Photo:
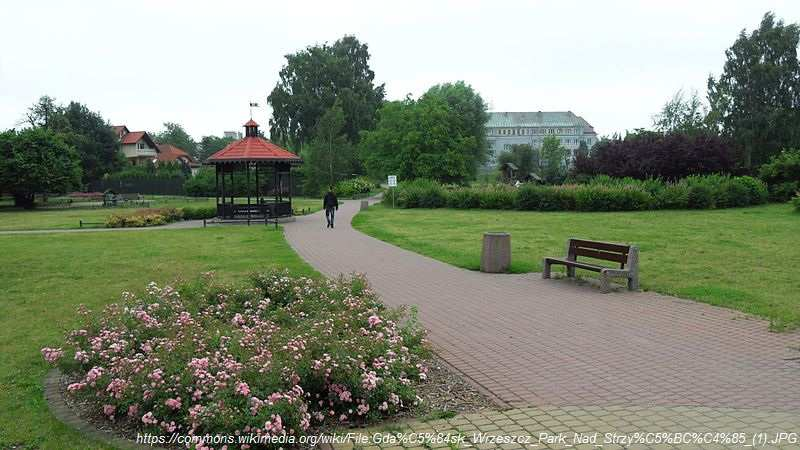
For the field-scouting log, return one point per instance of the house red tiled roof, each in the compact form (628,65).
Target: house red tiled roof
(133,137)
(168,152)
(251,123)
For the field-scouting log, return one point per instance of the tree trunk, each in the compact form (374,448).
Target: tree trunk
(24,201)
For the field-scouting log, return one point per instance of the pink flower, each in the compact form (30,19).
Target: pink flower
(369,380)
(374,320)
(345,396)
(81,356)
(363,409)
(173,403)
(75,387)
(149,419)
(242,388)
(109,410)
(133,410)
(51,355)
(93,375)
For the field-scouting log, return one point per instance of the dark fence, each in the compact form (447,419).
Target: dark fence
(165,186)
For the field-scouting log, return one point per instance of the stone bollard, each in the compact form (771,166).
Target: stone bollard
(496,254)
(364,204)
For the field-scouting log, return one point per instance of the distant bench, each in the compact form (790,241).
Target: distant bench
(626,255)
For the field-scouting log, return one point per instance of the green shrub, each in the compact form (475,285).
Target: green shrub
(781,191)
(796,202)
(782,174)
(144,218)
(199,212)
(354,187)
(419,193)
(496,197)
(529,197)
(700,197)
(612,198)
(463,198)
(673,196)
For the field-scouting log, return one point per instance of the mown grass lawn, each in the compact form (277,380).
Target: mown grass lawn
(45,277)
(743,258)
(66,218)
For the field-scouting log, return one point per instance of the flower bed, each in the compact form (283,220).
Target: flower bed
(599,194)
(145,218)
(271,359)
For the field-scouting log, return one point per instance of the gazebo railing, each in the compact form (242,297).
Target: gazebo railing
(254,211)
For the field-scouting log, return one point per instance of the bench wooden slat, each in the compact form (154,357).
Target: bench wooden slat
(578,264)
(608,256)
(606,246)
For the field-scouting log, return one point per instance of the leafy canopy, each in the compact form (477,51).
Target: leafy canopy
(756,99)
(174,134)
(84,130)
(36,160)
(441,136)
(312,80)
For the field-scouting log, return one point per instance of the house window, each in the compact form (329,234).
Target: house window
(140,146)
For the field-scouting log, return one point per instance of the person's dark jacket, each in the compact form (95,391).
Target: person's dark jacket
(330,201)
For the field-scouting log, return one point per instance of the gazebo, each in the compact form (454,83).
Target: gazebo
(253,178)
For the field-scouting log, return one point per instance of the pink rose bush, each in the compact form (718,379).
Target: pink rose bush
(276,357)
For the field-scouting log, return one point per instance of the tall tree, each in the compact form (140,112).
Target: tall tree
(310,83)
(36,160)
(210,145)
(329,156)
(440,136)
(94,141)
(682,114)
(83,129)
(468,115)
(756,100)
(173,133)
(554,160)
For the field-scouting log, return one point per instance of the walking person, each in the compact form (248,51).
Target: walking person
(331,204)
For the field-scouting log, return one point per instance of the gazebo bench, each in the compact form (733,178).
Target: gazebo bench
(626,255)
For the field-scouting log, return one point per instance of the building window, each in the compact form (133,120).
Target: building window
(140,145)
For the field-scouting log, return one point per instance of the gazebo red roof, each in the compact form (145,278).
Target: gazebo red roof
(252,149)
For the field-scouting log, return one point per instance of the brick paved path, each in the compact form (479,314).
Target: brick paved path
(538,342)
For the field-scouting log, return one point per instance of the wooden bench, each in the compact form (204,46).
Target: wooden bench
(626,255)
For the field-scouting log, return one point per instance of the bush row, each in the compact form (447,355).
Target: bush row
(144,218)
(782,174)
(354,187)
(600,194)
(199,212)
(796,202)
(276,358)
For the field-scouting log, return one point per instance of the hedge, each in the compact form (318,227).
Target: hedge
(598,194)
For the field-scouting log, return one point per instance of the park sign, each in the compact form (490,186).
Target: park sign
(392,180)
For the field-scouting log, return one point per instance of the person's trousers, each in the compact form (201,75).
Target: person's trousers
(329,213)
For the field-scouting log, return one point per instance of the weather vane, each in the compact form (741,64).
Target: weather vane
(253,105)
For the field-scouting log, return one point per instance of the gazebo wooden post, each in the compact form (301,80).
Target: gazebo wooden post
(216,176)
(258,190)
(247,168)
(222,167)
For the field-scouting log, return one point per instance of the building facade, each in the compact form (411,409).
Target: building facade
(505,129)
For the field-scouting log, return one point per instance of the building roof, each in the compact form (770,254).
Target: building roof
(536,119)
(250,123)
(120,130)
(168,152)
(136,136)
(253,148)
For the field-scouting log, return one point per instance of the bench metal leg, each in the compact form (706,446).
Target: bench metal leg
(546,270)
(570,271)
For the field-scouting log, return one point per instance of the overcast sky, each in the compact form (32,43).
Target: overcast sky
(141,63)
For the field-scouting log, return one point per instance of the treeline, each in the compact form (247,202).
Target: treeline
(751,116)
(328,108)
